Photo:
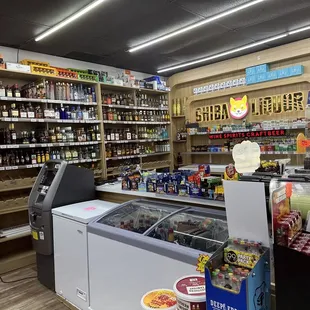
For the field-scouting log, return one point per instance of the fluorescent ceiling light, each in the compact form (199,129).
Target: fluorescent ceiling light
(196,25)
(194,62)
(69,20)
(223,54)
(299,30)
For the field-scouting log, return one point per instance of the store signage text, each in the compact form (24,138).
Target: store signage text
(250,134)
(269,105)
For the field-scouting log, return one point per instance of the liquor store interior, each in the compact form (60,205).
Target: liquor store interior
(166,166)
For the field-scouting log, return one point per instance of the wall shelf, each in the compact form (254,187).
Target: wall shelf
(115,106)
(135,141)
(136,123)
(64,102)
(114,87)
(45,145)
(137,156)
(47,120)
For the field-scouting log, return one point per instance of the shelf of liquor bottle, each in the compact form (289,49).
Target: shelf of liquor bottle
(250,130)
(45,145)
(137,156)
(47,120)
(19,167)
(116,106)
(136,122)
(135,141)
(64,102)
(108,86)
(13,209)
(229,153)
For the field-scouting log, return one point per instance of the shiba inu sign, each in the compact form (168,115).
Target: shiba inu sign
(239,108)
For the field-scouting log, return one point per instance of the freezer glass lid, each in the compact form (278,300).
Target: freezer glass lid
(138,216)
(194,229)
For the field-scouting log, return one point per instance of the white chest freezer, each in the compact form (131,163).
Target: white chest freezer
(144,245)
(71,247)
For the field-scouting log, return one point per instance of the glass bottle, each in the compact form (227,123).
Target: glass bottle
(57,113)
(38,112)
(14,111)
(62,154)
(16,91)
(4,111)
(30,111)
(13,134)
(2,90)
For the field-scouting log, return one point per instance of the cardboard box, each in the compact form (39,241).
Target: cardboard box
(283,73)
(18,67)
(271,75)
(251,79)
(296,70)
(262,68)
(261,77)
(250,71)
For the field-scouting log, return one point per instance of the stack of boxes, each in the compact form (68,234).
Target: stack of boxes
(262,73)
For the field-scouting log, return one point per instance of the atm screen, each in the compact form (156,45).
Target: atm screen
(48,177)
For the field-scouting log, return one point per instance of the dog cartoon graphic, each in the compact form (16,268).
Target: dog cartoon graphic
(239,107)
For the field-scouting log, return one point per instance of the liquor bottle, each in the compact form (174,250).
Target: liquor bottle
(30,111)
(33,157)
(67,112)
(43,159)
(85,114)
(17,159)
(38,112)
(27,158)
(14,111)
(4,111)
(62,154)
(23,112)
(22,158)
(38,157)
(57,113)
(62,112)
(13,134)
(8,91)
(46,112)
(79,113)
(16,91)
(73,113)
(2,90)
(47,155)
(68,155)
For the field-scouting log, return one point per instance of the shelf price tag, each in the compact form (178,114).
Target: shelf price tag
(14,146)
(35,165)
(61,144)
(33,120)
(28,166)
(1,168)
(3,98)
(2,146)
(41,120)
(7,119)
(269,152)
(50,144)
(18,99)
(44,145)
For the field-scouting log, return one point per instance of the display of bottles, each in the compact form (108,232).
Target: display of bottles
(181,134)
(57,90)
(40,156)
(144,100)
(118,99)
(49,112)
(143,133)
(110,114)
(53,135)
(129,149)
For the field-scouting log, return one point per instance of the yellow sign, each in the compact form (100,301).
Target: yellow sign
(35,235)
(201,262)
(269,105)
(159,299)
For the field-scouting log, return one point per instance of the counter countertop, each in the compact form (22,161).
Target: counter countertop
(116,188)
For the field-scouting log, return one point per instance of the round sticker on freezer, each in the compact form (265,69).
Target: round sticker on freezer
(159,299)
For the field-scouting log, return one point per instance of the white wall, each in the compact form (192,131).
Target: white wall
(11,55)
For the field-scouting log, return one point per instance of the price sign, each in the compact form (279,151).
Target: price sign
(33,120)
(44,145)
(35,165)
(28,166)
(41,120)
(61,144)
(15,119)
(18,99)
(3,98)
(7,119)
(1,168)
(2,146)
(15,146)
(32,145)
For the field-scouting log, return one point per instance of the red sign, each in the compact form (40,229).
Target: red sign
(250,134)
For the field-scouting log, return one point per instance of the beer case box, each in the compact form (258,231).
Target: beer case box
(271,75)
(18,67)
(283,73)
(261,77)
(250,71)
(254,291)
(296,70)
(251,79)
(262,68)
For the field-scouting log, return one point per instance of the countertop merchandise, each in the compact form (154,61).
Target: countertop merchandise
(116,188)
(146,244)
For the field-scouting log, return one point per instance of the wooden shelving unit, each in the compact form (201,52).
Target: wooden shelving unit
(20,178)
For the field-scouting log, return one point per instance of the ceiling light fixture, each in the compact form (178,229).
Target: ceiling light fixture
(69,20)
(196,25)
(194,62)
(223,54)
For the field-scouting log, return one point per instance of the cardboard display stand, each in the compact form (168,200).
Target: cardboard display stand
(247,219)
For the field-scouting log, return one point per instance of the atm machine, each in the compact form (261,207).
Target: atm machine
(57,184)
